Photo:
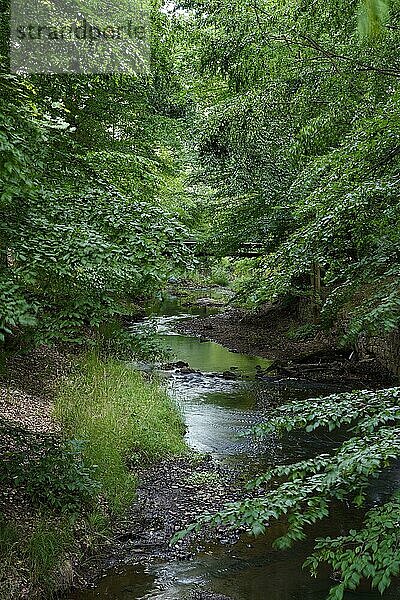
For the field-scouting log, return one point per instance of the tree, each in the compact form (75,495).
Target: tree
(87,221)
(298,140)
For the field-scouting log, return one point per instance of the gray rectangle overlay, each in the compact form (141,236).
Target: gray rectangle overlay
(72,36)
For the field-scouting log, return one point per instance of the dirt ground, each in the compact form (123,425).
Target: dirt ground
(170,496)
(271,333)
(27,385)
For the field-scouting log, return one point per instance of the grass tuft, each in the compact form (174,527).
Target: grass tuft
(45,549)
(40,552)
(123,419)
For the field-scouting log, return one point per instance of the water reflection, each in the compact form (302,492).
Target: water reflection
(216,410)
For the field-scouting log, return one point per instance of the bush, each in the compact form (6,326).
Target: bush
(304,332)
(50,471)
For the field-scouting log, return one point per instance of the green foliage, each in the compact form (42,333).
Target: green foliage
(297,129)
(370,553)
(50,472)
(40,550)
(221,273)
(8,536)
(138,341)
(45,549)
(123,419)
(303,332)
(145,342)
(60,479)
(16,310)
(90,180)
(303,492)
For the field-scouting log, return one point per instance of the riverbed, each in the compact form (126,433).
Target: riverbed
(220,395)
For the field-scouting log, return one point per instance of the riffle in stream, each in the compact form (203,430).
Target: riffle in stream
(216,410)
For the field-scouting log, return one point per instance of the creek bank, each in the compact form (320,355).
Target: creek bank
(27,389)
(170,495)
(173,493)
(32,515)
(270,332)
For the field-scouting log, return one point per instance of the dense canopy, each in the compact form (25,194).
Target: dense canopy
(272,125)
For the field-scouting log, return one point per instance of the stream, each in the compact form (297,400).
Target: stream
(216,409)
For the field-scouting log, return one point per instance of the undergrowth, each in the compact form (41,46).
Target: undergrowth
(123,420)
(65,487)
(35,560)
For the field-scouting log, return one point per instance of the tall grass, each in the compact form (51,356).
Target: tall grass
(45,550)
(123,419)
(40,552)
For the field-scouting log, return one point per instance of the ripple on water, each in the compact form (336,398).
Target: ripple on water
(216,411)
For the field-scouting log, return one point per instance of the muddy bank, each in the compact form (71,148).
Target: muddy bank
(278,334)
(170,496)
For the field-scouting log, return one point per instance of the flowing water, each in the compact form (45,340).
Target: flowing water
(216,410)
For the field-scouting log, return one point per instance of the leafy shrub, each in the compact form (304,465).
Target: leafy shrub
(83,225)
(303,492)
(16,311)
(49,471)
(145,342)
(221,272)
(304,332)
(139,341)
